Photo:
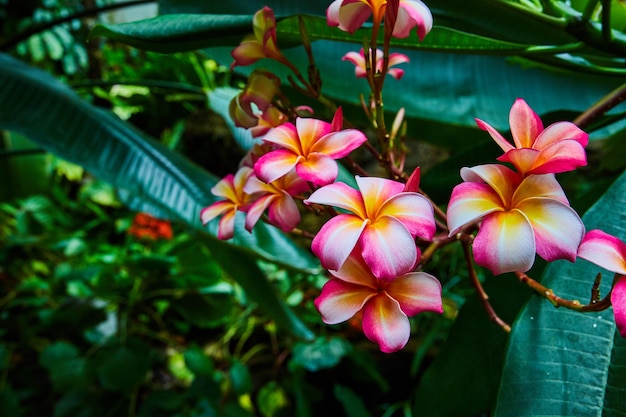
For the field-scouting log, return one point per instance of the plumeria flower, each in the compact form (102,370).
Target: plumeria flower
(260,44)
(385,304)
(349,15)
(311,147)
(255,100)
(277,198)
(358,59)
(609,253)
(231,189)
(382,218)
(520,216)
(558,148)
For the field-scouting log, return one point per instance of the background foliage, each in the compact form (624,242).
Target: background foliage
(96,321)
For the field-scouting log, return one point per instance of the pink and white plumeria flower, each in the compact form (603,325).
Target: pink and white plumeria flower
(349,15)
(231,189)
(609,252)
(277,198)
(382,217)
(358,59)
(260,44)
(311,147)
(255,101)
(386,304)
(558,148)
(520,216)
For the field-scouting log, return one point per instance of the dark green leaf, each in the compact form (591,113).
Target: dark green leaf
(320,354)
(178,33)
(198,362)
(352,404)
(240,378)
(122,366)
(66,367)
(564,363)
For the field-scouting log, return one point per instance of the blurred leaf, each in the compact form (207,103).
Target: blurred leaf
(198,362)
(320,354)
(271,399)
(205,311)
(65,366)
(564,363)
(240,378)
(9,401)
(352,404)
(122,366)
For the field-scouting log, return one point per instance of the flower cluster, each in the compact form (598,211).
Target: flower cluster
(372,243)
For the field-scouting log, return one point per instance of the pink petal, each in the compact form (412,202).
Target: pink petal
(618,299)
(397,58)
(505,243)
(500,140)
(539,186)
(310,131)
(225,188)
(255,185)
(226,226)
(604,250)
(385,324)
(376,191)
(388,248)
(339,195)
(248,52)
(275,164)
(356,271)
(352,15)
(336,239)
(501,179)
(413,13)
(416,292)
(414,211)
(339,144)
(396,73)
(318,168)
(284,213)
(525,124)
(356,58)
(337,123)
(524,159)
(257,209)
(469,202)
(339,301)
(563,156)
(558,229)
(558,132)
(216,209)
(285,136)
(332,13)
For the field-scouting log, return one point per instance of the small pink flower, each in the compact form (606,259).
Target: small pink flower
(519,215)
(558,148)
(231,189)
(276,197)
(311,147)
(609,253)
(386,305)
(255,100)
(358,59)
(382,218)
(349,15)
(262,43)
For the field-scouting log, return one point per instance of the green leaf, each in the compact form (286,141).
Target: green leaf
(122,366)
(352,404)
(240,378)
(152,177)
(198,362)
(320,354)
(178,33)
(564,363)
(65,365)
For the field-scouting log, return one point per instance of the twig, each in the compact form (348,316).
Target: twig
(603,105)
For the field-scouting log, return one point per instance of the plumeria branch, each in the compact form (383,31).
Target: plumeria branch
(594,305)
(603,105)
(482,294)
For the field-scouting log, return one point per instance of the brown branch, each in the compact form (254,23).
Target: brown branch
(484,297)
(602,106)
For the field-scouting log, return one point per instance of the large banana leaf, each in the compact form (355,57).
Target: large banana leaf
(441,87)
(563,363)
(153,177)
